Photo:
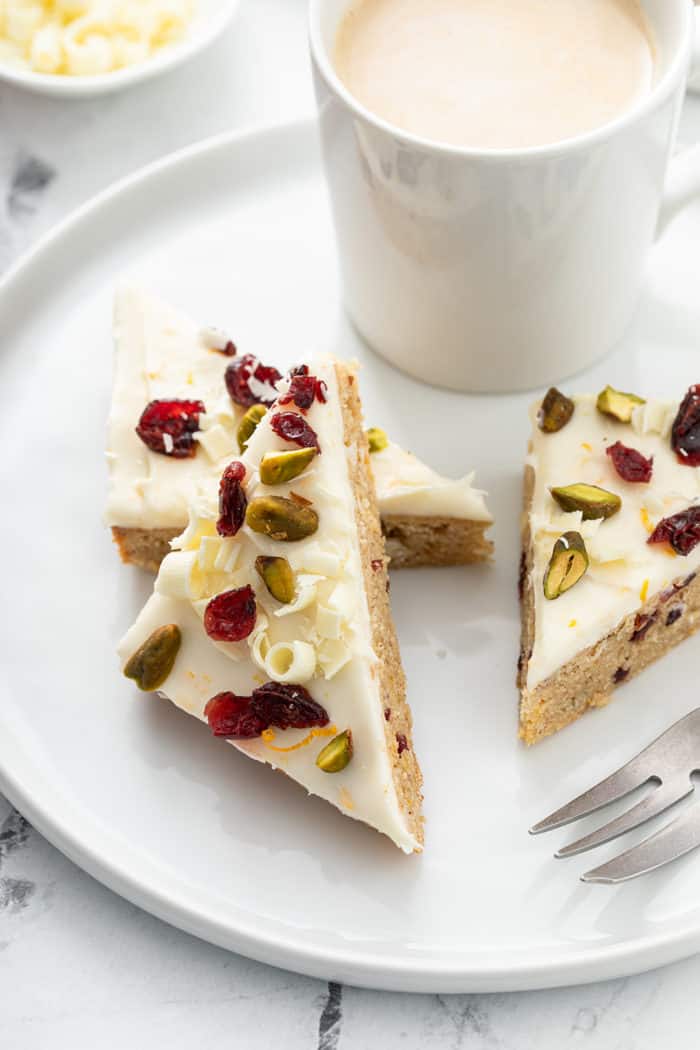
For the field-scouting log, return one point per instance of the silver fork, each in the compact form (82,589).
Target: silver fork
(669,762)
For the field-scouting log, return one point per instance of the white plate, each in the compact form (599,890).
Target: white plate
(210,20)
(237,232)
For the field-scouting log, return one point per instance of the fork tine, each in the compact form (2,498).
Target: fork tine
(659,756)
(658,801)
(677,838)
(617,785)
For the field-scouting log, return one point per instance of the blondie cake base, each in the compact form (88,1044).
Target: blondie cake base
(589,679)
(411,542)
(398,722)
(161,353)
(345,627)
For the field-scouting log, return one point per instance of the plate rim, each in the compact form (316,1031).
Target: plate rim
(390,972)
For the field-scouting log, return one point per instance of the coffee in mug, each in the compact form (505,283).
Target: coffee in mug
(496,74)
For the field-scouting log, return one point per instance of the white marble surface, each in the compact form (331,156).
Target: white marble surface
(79,966)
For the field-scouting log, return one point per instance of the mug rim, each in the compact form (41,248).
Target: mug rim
(677,67)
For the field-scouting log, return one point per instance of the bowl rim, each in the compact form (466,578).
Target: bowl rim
(208,23)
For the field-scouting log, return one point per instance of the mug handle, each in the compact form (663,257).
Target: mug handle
(682,186)
(694,78)
(683,180)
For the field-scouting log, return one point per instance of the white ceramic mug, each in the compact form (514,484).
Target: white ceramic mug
(494,270)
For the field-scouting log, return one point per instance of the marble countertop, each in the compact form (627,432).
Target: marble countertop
(81,967)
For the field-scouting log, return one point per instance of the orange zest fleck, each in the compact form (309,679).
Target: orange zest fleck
(268,735)
(345,799)
(588,448)
(646,520)
(572,623)
(644,591)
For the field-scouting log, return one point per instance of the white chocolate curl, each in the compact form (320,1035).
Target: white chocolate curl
(174,578)
(89,37)
(217,442)
(290,662)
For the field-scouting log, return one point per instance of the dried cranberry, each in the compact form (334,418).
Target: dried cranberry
(620,675)
(232,500)
(294,428)
(287,706)
(272,704)
(642,623)
(377,564)
(401,743)
(230,616)
(303,390)
(249,382)
(387,714)
(168,427)
(681,530)
(674,614)
(298,370)
(630,464)
(232,716)
(685,432)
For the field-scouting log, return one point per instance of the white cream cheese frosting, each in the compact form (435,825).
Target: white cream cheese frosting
(407,486)
(624,569)
(322,639)
(161,353)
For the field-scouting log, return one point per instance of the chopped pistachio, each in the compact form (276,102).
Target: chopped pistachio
(153,661)
(376,439)
(280,518)
(617,404)
(567,565)
(248,425)
(335,756)
(277,576)
(278,467)
(592,501)
(555,411)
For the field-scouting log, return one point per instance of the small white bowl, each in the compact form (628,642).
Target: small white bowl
(210,19)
